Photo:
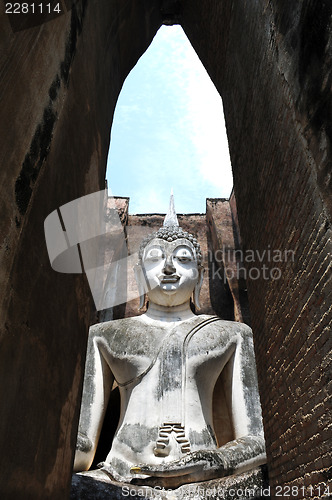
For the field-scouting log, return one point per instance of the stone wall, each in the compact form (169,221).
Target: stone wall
(59,82)
(271,62)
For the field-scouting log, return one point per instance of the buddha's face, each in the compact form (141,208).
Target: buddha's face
(171,271)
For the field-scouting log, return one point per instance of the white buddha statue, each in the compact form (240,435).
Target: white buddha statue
(166,363)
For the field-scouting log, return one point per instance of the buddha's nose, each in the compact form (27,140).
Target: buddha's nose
(169,267)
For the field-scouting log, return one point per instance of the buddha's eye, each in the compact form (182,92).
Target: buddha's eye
(154,255)
(183,255)
(183,258)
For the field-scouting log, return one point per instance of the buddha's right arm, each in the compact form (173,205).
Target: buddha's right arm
(98,380)
(84,453)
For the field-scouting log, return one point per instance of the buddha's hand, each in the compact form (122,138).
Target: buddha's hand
(203,465)
(192,467)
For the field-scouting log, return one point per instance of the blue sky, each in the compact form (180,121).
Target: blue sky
(168,131)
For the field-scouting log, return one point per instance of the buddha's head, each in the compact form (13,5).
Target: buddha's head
(170,265)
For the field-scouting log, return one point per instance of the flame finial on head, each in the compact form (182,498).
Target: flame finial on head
(171,219)
(171,231)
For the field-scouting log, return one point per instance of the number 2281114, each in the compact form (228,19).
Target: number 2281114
(32,8)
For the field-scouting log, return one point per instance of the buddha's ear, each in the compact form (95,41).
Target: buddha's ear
(140,280)
(198,287)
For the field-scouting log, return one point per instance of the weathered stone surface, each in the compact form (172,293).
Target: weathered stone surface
(224,236)
(169,360)
(113,252)
(248,485)
(214,298)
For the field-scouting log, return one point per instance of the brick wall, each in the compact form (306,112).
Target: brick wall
(270,64)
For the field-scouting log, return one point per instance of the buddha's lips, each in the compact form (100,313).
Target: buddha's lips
(169,279)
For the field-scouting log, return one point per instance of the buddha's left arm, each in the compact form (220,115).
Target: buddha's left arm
(248,448)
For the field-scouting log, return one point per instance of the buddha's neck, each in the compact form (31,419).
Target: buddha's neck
(168,314)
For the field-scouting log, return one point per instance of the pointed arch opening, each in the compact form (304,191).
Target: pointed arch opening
(169,131)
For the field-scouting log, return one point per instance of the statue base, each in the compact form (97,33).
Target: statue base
(246,486)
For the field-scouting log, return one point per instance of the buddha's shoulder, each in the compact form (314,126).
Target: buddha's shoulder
(221,325)
(136,325)
(118,326)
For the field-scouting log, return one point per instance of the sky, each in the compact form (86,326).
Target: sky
(169,132)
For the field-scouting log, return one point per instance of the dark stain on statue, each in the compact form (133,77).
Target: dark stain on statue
(34,159)
(206,436)
(136,436)
(171,370)
(83,444)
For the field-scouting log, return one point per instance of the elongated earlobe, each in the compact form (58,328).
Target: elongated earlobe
(198,287)
(140,280)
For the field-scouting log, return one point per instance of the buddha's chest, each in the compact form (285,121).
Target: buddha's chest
(167,355)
